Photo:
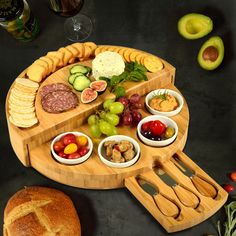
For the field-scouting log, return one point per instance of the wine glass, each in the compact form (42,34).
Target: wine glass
(77,27)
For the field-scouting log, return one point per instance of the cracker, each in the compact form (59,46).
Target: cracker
(80,48)
(133,55)
(50,63)
(67,55)
(58,55)
(74,52)
(22,116)
(20,103)
(44,64)
(36,72)
(23,123)
(26,82)
(22,110)
(87,53)
(92,46)
(55,62)
(127,53)
(21,98)
(19,93)
(152,63)
(97,51)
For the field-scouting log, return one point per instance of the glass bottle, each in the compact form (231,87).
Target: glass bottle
(17,18)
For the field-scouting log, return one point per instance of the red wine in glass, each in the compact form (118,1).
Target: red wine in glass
(77,27)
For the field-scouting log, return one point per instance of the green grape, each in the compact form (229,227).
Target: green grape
(93,119)
(95,131)
(114,131)
(116,108)
(102,114)
(105,127)
(113,119)
(107,103)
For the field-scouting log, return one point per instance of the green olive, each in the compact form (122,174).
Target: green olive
(169,132)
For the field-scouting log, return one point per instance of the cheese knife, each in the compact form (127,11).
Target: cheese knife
(203,187)
(167,207)
(185,196)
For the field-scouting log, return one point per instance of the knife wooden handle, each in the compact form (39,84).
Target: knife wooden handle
(203,187)
(167,207)
(186,197)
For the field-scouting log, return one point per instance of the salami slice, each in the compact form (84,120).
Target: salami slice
(59,101)
(52,88)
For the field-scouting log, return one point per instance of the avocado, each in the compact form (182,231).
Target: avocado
(194,26)
(211,53)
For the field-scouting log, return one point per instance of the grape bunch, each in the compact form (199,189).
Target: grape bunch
(130,116)
(106,120)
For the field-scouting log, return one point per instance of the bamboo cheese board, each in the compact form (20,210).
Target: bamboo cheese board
(176,207)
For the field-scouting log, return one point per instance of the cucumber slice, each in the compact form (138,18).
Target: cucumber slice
(81,82)
(72,77)
(80,69)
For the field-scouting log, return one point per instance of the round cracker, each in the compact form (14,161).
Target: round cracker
(23,123)
(19,103)
(152,63)
(133,55)
(19,93)
(22,110)
(127,53)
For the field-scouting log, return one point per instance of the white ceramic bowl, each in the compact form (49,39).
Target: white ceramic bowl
(72,161)
(161,91)
(167,121)
(101,151)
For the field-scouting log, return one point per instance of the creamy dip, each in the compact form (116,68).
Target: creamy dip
(164,103)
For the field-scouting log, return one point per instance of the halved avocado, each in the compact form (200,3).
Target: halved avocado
(211,53)
(194,25)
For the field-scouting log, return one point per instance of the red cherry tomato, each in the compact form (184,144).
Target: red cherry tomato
(83,151)
(228,188)
(58,146)
(74,155)
(68,138)
(157,128)
(233,176)
(62,154)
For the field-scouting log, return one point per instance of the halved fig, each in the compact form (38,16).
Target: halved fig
(88,95)
(98,85)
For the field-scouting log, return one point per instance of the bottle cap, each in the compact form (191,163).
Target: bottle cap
(10,9)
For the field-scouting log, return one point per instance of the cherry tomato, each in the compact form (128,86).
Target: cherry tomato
(70,148)
(74,155)
(58,146)
(81,140)
(83,151)
(157,127)
(62,154)
(228,188)
(233,176)
(68,138)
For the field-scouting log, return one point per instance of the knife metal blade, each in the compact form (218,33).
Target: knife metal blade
(185,196)
(203,187)
(167,207)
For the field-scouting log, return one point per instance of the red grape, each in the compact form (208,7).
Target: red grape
(136,116)
(127,118)
(135,98)
(124,101)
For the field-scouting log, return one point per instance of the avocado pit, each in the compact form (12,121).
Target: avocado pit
(210,54)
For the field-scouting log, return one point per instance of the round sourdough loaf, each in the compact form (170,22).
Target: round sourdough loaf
(40,211)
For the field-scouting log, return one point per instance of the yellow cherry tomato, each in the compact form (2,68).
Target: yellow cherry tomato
(82,140)
(70,148)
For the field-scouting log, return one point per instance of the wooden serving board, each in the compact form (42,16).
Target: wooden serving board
(32,147)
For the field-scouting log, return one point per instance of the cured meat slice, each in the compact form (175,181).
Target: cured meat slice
(59,101)
(52,88)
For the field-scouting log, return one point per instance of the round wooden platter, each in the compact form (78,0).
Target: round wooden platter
(32,147)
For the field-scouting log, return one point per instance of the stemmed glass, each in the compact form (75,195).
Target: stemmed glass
(77,27)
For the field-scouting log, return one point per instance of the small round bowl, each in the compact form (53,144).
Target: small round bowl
(102,155)
(167,121)
(162,91)
(72,161)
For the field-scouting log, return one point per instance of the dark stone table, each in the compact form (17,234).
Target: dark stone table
(211,96)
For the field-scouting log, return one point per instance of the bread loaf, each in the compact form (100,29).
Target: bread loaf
(40,211)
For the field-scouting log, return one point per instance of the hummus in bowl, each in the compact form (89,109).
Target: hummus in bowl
(165,102)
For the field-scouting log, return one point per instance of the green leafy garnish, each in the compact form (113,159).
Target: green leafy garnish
(230,223)
(133,72)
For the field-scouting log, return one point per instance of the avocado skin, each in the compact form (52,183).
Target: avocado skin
(216,42)
(194,26)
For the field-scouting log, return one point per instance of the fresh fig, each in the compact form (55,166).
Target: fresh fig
(88,95)
(99,85)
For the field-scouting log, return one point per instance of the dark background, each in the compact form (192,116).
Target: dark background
(149,25)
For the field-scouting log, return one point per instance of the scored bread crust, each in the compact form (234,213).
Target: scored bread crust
(40,211)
